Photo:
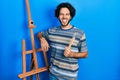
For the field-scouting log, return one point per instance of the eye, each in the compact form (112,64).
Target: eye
(61,14)
(67,14)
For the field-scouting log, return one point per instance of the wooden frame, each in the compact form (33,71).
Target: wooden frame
(34,66)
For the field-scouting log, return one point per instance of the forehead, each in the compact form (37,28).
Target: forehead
(64,10)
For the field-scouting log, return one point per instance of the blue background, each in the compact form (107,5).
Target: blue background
(99,19)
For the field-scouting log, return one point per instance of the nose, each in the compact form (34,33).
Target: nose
(64,16)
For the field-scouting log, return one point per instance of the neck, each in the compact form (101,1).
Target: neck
(66,27)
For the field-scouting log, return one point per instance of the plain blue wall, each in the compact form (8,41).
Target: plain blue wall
(100,20)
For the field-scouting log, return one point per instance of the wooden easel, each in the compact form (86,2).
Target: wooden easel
(34,63)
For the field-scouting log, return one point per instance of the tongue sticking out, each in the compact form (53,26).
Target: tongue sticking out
(64,20)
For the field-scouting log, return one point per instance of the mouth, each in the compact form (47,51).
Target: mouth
(64,21)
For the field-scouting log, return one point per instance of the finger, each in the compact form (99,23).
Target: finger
(66,53)
(45,48)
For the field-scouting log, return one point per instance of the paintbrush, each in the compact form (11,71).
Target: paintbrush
(72,40)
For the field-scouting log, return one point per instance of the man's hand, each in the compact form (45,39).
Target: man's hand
(44,44)
(43,41)
(71,54)
(68,52)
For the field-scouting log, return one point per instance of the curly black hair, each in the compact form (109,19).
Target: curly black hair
(65,5)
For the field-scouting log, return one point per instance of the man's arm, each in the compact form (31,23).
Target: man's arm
(69,53)
(80,55)
(43,41)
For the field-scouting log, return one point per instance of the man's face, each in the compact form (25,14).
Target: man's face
(64,16)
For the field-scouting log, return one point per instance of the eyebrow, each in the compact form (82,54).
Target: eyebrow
(64,13)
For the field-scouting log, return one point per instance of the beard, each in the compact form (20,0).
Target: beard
(64,24)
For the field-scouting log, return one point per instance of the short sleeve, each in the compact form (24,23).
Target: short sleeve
(45,34)
(83,45)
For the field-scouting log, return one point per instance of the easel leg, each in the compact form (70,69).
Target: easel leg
(24,58)
(32,67)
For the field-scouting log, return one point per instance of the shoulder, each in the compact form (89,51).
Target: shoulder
(54,29)
(78,30)
(79,33)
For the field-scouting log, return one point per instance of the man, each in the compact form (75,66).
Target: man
(64,59)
